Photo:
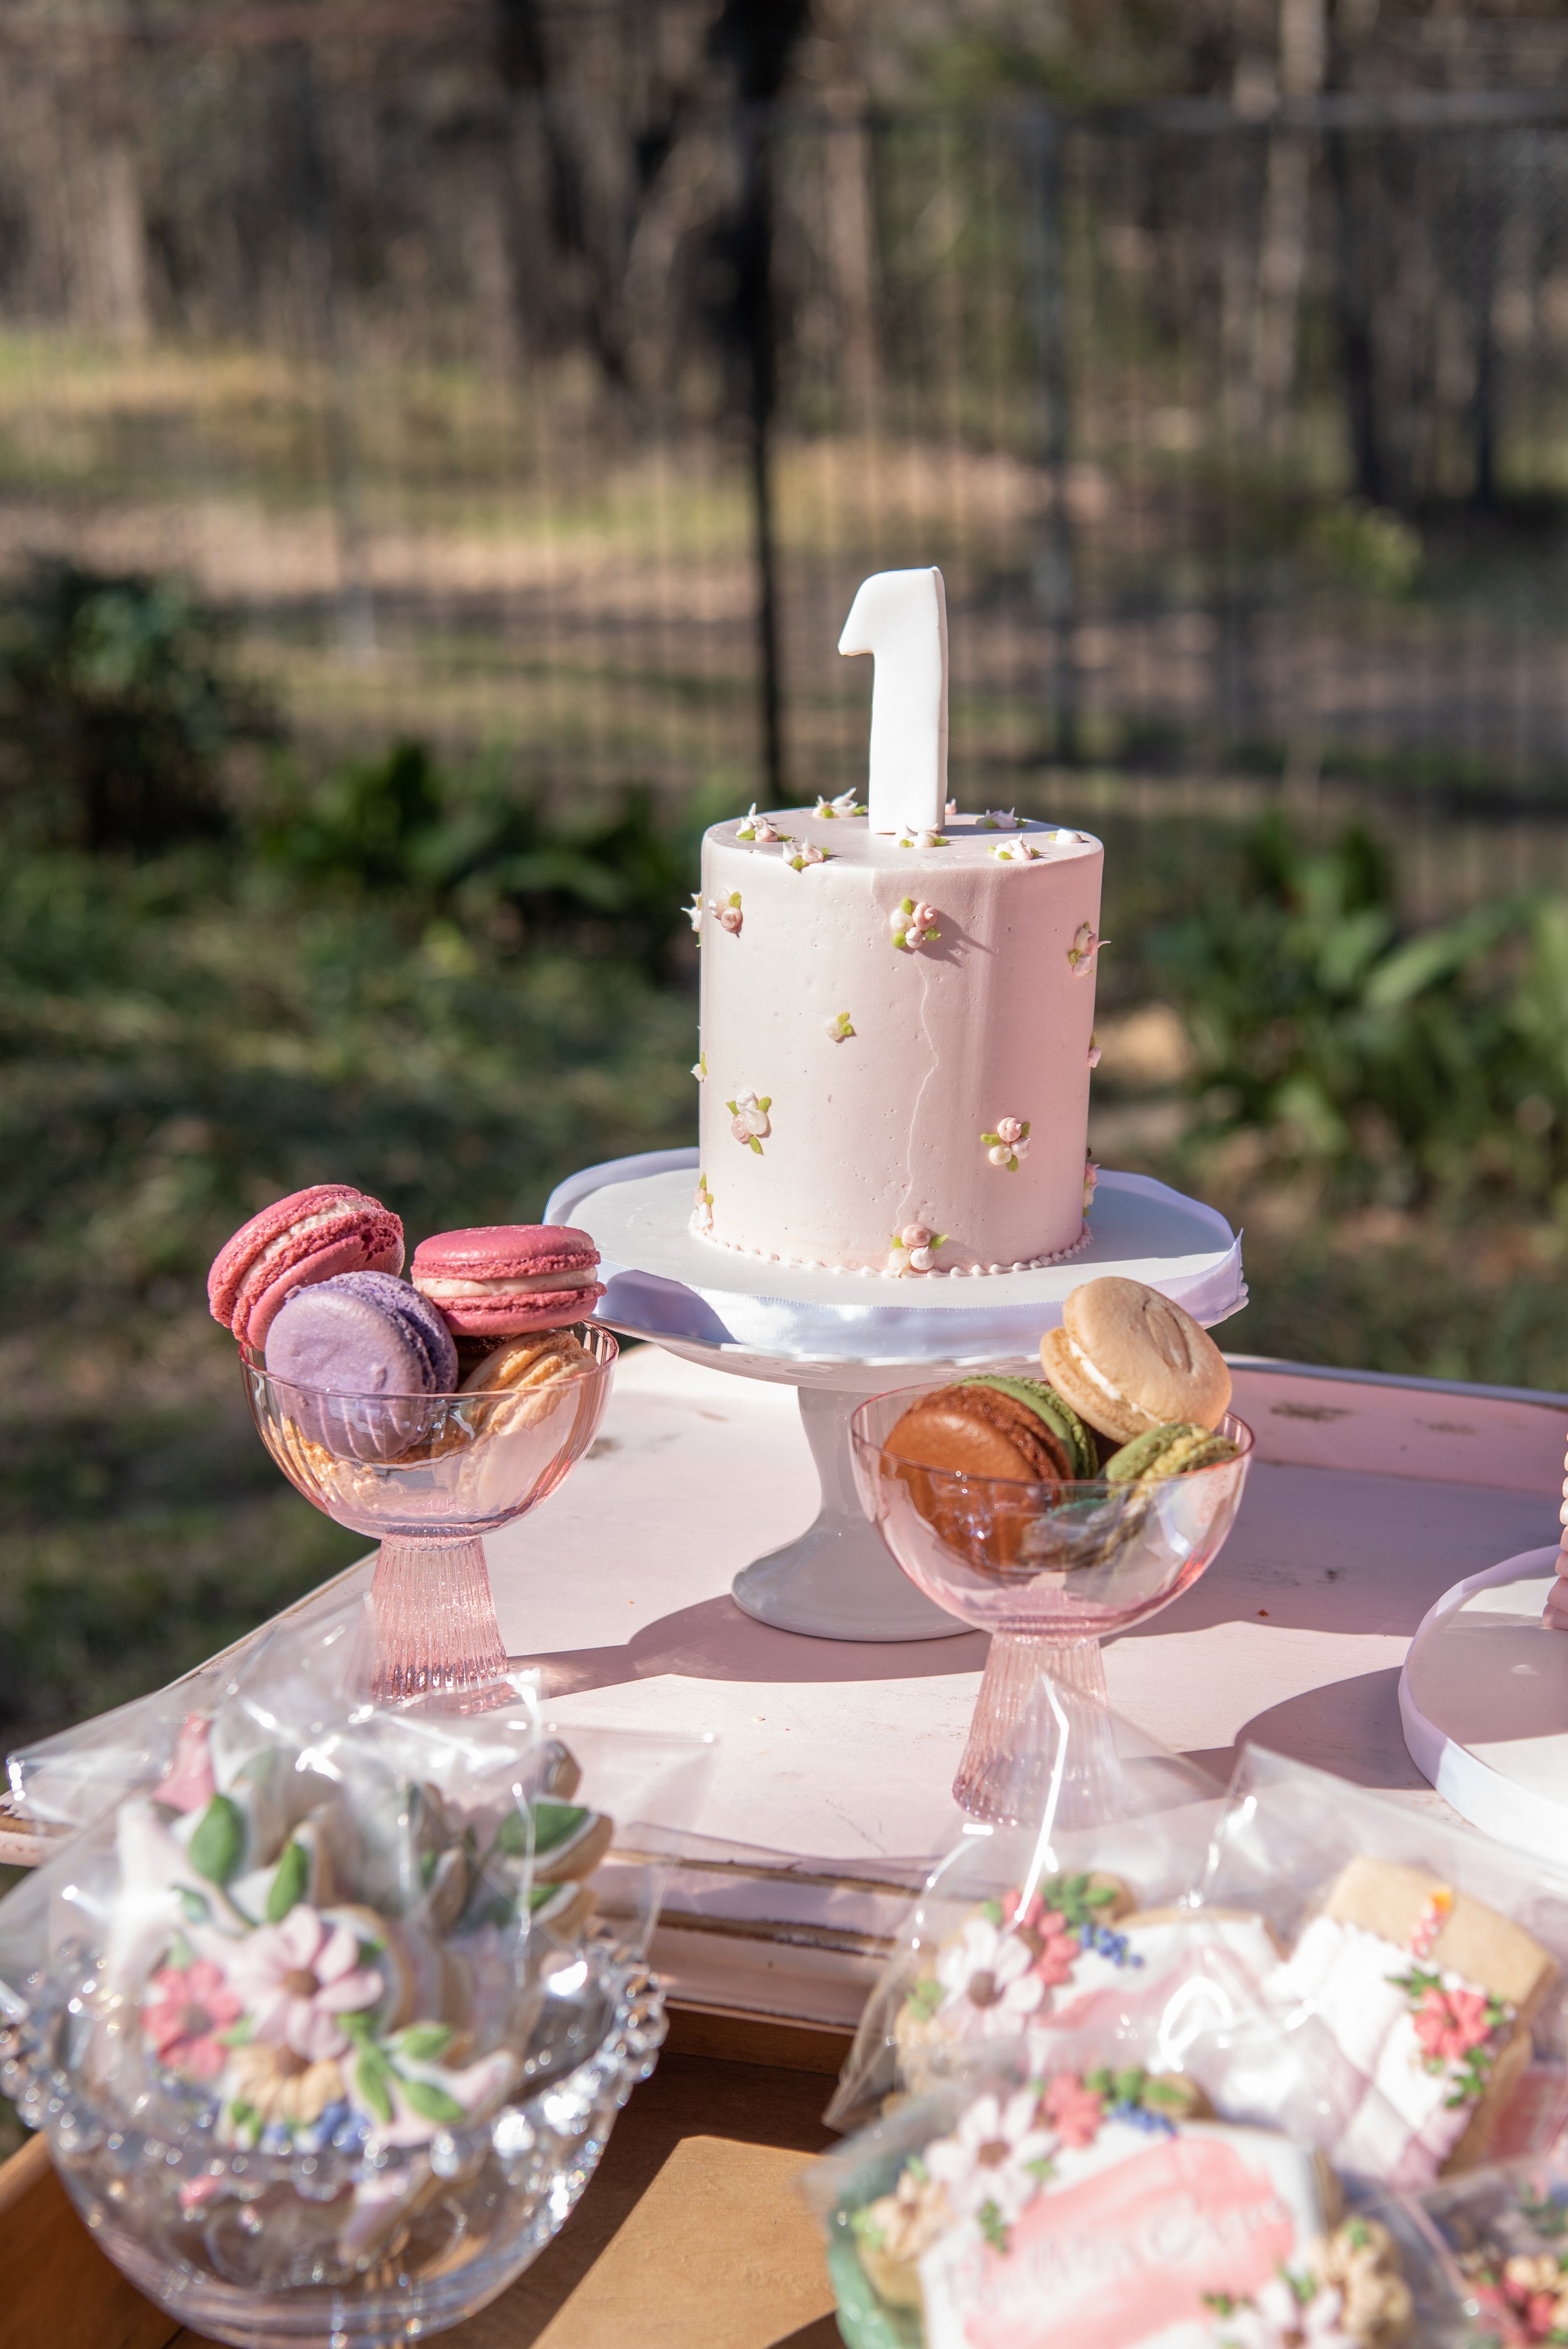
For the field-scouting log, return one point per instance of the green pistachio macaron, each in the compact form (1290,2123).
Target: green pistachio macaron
(1057,1415)
(1173,1450)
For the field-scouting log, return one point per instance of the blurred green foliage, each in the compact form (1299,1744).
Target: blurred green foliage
(607,878)
(1366,547)
(120,703)
(182,1040)
(1425,1068)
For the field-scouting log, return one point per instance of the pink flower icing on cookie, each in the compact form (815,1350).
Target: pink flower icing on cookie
(1074,2110)
(1449,2023)
(184,2009)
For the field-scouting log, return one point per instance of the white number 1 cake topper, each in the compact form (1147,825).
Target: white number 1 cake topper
(900,617)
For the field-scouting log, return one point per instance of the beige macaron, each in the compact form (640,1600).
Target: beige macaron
(1127,1359)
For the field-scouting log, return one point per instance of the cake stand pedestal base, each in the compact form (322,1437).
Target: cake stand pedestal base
(1483,1702)
(839,1580)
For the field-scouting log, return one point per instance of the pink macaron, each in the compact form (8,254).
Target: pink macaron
(309,1237)
(502,1279)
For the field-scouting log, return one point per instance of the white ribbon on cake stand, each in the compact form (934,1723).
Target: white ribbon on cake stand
(839,1337)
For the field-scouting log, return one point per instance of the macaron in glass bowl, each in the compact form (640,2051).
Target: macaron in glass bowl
(1055,1513)
(420,1430)
(1049,1568)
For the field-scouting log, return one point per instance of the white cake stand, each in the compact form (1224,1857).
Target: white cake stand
(839,1337)
(1484,1700)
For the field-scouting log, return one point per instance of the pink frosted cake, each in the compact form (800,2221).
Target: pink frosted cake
(896,1041)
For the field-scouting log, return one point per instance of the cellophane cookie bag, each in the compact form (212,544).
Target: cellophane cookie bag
(1055,1919)
(1437,1959)
(1120,2185)
(307,1967)
(1501,2236)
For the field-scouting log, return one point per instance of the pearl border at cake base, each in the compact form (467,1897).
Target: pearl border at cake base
(1484,1702)
(838,1340)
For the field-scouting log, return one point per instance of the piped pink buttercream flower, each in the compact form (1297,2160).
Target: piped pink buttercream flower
(1009,1129)
(1074,2111)
(296,1979)
(730,918)
(184,2009)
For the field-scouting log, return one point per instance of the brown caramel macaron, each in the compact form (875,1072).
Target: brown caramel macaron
(1128,1359)
(976,1431)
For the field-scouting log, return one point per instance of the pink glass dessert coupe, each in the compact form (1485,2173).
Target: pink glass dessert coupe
(1049,1571)
(427,1477)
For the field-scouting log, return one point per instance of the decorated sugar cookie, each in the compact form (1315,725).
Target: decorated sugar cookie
(1103,2209)
(1428,1994)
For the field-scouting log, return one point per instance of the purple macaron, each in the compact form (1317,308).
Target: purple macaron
(362,1336)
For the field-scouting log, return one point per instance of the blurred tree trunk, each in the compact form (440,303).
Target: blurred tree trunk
(756,40)
(1282,261)
(853,253)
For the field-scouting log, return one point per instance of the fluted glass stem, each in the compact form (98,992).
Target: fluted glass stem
(1023,1752)
(435,1619)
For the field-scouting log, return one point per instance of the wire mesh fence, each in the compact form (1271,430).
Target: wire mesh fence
(1243,445)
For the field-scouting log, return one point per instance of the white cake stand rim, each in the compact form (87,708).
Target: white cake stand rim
(918,1339)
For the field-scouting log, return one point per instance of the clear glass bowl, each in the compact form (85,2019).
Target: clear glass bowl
(1048,1569)
(427,1477)
(256,2251)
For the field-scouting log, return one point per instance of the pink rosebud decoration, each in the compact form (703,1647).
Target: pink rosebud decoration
(729,919)
(915,1235)
(740,1130)
(1074,2110)
(922,917)
(1009,1130)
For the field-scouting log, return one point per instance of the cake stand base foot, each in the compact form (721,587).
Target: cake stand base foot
(435,1620)
(838,1581)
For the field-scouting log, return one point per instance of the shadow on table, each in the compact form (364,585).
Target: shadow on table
(717,1641)
(1351,1727)
(1323,1550)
